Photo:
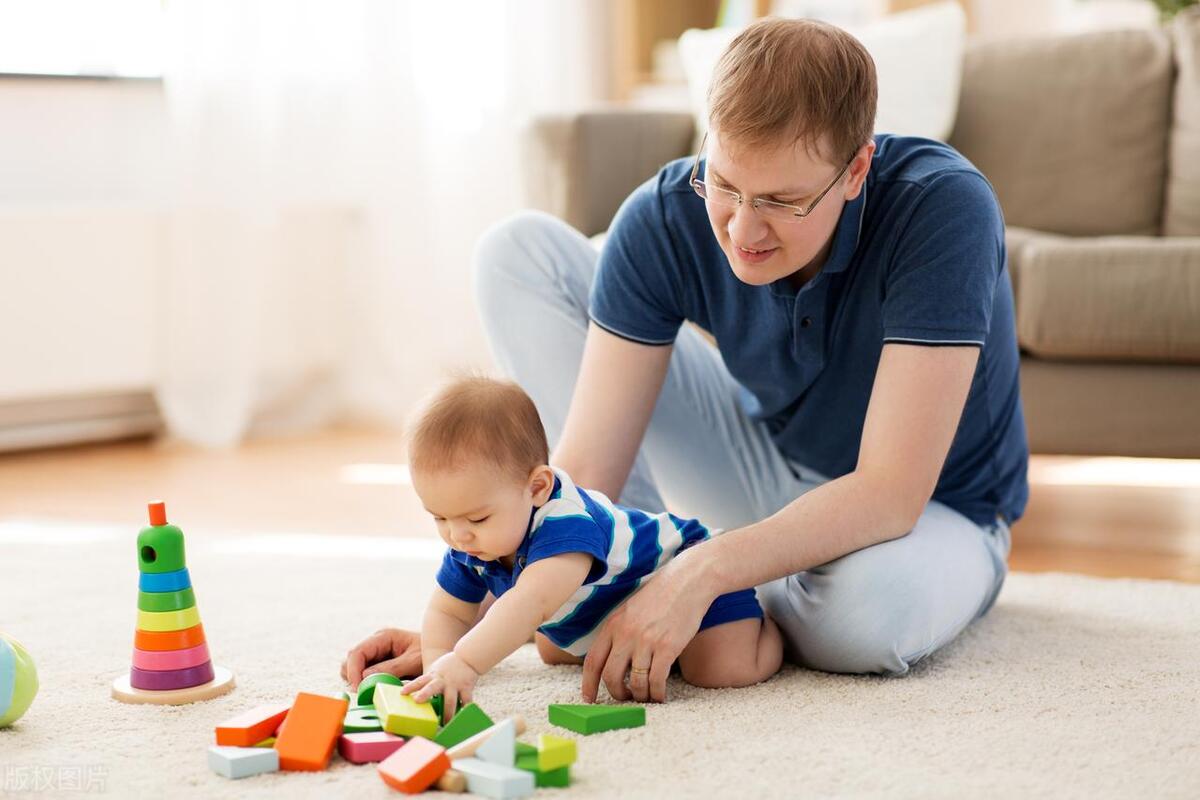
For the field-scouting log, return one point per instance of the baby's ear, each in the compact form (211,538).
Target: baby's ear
(541,484)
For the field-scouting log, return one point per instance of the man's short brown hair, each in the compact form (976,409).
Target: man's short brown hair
(476,418)
(787,80)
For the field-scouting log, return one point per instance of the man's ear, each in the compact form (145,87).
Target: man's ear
(857,174)
(541,484)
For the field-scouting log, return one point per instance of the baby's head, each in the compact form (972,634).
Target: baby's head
(478,458)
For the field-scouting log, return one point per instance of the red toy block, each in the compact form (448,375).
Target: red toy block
(313,726)
(415,766)
(251,727)
(364,748)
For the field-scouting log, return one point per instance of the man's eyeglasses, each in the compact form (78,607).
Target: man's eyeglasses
(771,209)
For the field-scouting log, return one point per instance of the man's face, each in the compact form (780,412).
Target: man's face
(762,250)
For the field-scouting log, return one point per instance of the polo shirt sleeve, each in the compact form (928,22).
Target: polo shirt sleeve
(461,580)
(941,282)
(568,528)
(635,294)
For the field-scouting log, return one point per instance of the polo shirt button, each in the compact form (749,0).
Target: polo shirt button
(806,322)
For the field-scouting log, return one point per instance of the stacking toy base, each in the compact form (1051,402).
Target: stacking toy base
(222,682)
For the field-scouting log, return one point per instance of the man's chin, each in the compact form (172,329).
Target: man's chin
(753,274)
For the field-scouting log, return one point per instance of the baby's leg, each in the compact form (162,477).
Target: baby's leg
(552,653)
(739,653)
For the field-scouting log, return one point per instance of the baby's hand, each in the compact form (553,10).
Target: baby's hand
(449,676)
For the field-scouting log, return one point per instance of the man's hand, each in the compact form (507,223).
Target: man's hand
(451,677)
(389,650)
(648,632)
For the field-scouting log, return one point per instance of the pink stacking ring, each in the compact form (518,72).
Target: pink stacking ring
(161,660)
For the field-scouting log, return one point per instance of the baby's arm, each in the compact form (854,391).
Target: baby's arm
(540,591)
(447,619)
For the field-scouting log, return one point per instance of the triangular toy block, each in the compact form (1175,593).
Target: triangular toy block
(469,721)
(501,747)
(589,719)
(415,766)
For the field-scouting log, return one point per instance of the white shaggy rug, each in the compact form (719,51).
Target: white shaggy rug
(1071,687)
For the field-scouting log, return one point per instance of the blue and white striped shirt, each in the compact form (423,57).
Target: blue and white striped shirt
(626,546)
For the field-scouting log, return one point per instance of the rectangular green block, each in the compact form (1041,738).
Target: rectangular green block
(468,721)
(402,715)
(556,777)
(589,719)
(524,749)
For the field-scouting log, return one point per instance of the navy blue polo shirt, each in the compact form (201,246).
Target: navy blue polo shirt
(918,258)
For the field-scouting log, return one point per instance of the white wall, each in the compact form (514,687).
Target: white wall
(82,180)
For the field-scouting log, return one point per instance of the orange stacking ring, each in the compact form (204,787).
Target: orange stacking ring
(169,640)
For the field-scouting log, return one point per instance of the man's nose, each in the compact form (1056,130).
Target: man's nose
(746,227)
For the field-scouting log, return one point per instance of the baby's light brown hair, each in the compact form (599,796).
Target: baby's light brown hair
(478,418)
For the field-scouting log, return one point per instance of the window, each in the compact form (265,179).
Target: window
(91,38)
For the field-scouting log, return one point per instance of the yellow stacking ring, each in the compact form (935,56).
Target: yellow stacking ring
(168,620)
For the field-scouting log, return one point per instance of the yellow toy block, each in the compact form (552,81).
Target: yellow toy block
(402,715)
(554,752)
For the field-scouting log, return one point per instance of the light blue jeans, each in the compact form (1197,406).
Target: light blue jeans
(876,610)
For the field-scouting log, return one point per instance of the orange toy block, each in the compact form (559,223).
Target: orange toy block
(415,766)
(313,726)
(251,727)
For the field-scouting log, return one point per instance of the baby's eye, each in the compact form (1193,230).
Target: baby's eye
(481,519)
(439,519)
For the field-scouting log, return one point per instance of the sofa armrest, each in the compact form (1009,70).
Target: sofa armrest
(581,166)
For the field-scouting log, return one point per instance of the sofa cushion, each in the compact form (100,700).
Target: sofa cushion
(1182,215)
(1072,130)
(1110,298)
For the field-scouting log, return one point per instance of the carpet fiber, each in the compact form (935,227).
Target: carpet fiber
(1071,687)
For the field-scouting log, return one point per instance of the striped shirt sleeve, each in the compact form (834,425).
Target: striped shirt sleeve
(568,528)
(461,580)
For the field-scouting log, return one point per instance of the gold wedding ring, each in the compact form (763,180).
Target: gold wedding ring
(637,671)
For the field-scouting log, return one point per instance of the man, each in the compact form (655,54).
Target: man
(857,426)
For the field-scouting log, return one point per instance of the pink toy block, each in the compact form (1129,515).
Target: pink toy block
(365,748)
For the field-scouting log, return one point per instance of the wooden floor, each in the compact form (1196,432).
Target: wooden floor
(1108,517)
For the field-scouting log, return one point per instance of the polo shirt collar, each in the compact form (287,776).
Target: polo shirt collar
(845,241)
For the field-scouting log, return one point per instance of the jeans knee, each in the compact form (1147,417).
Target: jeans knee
(502,253)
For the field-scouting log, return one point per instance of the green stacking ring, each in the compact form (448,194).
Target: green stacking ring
(166,601)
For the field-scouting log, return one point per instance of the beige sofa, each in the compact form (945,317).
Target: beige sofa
(1093,145)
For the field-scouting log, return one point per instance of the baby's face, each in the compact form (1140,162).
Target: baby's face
(478,509)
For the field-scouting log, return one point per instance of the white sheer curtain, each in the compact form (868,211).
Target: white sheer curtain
(335,161)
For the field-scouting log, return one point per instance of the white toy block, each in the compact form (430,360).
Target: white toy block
(242,762)
(501,748)
(495,780)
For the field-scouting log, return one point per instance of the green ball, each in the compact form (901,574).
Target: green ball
(18,680)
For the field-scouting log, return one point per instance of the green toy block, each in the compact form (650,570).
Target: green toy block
(556,777)
(166,601)
(366,688)
(402,715)
(469,721)
(362,719)
(525,750)
(554,752)
(589,719)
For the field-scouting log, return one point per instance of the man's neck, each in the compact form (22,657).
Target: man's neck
(810,270)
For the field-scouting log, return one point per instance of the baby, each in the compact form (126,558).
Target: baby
(558,558)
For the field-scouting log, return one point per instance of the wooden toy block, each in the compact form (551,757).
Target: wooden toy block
(500,748)
(168,620)
(242,762)
(166,601)
(589,719)
(469,721)
(267,742)
(365,696)
(402,715)
(364,719)
(524,749)
(452,781)
(415,766)
(313,726)
(556,777)
(251,727)
(554,752)
(366,748)
(467,748)
(495,780)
